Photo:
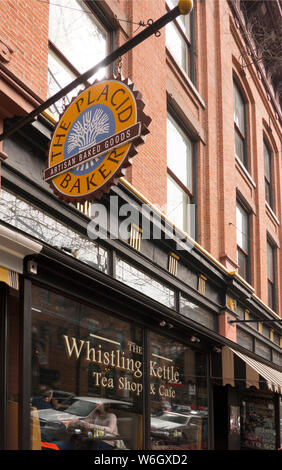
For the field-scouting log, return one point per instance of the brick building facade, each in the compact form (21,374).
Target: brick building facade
(214,103)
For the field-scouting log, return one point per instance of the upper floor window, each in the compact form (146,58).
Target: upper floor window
(180,176)
(242,235)
(77,41)
(271,275)
(240,126)
(178,38)
(268,174)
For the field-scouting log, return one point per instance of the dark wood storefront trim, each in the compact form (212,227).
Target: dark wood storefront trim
(55,264)
(25,366)
(3,363)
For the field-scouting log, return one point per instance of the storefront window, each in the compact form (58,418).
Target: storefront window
(263,350)
(144,283)
(277,359)
(87,377)
(35,222)
(245,340)
(257,423)
(197,313)
(178,392)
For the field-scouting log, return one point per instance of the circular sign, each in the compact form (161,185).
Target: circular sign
(95,139)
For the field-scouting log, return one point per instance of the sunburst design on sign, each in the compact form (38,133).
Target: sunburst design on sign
(85,134)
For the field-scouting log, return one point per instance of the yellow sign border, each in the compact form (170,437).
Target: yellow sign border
(124,101)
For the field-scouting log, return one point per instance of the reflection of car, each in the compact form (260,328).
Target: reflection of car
(55,424)
(62,399)
(81,408)
(181,409)
(171,427)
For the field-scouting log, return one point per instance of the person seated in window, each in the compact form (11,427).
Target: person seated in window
(101,420)
(43,401)
(106,422)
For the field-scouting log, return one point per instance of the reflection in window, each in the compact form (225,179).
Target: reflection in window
(263,350)
(33,221)
(257,423)
(87,389)
(268,175)
(178,38)
(179,153)
(244,339)
(180,178)
(177,45)
(251,324)
(241,311)
(177,205)
(144,283)
(197,313)
(277,358)
(242,235)
(59,76)
(77,42)
(271,276)
(240,125)
(178,390)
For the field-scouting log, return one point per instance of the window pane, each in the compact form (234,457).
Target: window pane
(239,147)
(263,350)
(244,339)
(277,359)
(179,400)
(77,34)
(39,224)
(177,205)
(267,163)
(144,283)
(239,110)
(58,77)
(270,295)
(87,376)
(257,422)
(183,20)
(267,192)
(268,175)
(197,313)
(177,45)
(270,262)
(179,153)
(242,228)
(242,262)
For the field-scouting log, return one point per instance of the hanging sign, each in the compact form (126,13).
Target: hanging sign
(95,140)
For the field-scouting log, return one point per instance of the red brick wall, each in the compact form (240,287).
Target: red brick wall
(152,69)
(24,24)
(147,70)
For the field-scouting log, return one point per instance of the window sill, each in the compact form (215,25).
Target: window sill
(246,174)
(186,78)
(271,213)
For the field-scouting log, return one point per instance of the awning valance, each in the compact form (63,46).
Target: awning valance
(14,246)
(272,376)
(235,368)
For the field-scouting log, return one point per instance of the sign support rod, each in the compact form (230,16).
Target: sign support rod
(184,7)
